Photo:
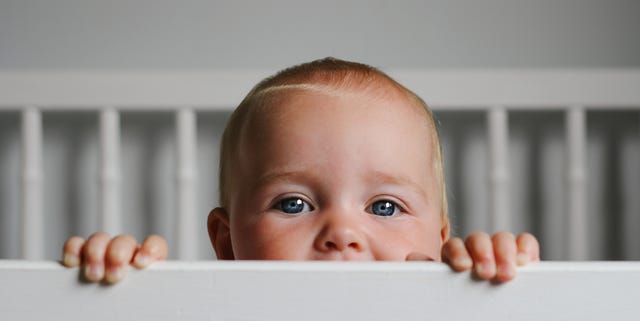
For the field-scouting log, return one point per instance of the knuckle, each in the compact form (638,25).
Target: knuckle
(94,253)
(477,235)
(124,239)
(503,235)
(527,238)
(95,248)
(99,235)
(155,245)
(121,249)
(73,244)
(479,243)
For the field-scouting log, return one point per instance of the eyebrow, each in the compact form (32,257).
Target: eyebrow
(287,174)
(375,177)
(379,177)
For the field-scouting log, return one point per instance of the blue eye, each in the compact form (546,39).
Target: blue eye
(384,208)
(292,205)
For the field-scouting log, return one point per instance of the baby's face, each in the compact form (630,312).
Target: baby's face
(346,177)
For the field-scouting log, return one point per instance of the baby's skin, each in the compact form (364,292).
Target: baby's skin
(320,173)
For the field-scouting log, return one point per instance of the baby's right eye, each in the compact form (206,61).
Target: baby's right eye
(293,205)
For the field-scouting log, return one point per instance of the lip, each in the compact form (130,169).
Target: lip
(343,256)
(416,256)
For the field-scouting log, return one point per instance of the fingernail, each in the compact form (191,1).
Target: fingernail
(522,259)
(142,260)
(94,272)
(114,274)
(463,262)
(70,260)
(485,270)
(506,271)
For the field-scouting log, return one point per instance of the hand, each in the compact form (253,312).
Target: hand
(492,258)
(108,259)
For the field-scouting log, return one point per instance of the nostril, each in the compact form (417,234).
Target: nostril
(330,245)
(355,246)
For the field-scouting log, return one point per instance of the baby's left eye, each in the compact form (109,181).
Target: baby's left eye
(384,208)
(293,205)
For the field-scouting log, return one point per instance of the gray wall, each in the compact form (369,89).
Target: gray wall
(216,35)
(162,34)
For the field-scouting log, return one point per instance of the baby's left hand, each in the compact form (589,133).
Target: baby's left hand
(492,258)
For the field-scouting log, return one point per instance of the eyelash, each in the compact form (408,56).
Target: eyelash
(398,208)
(306,206)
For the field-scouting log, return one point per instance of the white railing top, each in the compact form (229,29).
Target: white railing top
(223,90)
(321,291)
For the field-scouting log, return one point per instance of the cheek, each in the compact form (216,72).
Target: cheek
(433,242)
(272,237)
(394,243)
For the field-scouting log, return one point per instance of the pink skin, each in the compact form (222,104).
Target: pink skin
(339,154)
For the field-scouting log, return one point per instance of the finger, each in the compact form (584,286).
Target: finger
(72,250)
(504,249)
(528,249)
(481,250)
(93,253)
(154,248)
(455,254)
(119,254)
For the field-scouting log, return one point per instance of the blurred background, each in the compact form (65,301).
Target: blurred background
(158,35)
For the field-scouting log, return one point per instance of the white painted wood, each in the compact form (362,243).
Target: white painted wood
(576,214)
(187,219)
(498,126)
(32,216)
(470,89)
(110,210)
(321,291)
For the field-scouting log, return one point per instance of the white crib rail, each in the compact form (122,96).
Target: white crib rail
(495,92)
(321,291)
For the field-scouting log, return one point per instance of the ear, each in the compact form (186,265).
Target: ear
(219,233)
(445,232)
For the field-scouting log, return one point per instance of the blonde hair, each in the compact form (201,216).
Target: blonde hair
(329,76)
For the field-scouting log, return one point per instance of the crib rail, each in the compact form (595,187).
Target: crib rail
(321,291)
(496,92)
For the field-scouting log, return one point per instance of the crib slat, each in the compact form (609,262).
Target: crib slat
(186,218)
(576,219)
(32,215)
(109,212)
(630,164)
(499,172)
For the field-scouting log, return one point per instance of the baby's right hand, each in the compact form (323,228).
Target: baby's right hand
(108,259)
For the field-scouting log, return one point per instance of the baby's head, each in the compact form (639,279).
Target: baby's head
(330,160)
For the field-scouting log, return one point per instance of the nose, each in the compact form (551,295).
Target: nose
(341,232)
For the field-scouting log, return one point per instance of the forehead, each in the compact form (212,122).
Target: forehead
(281,101)
(338,124)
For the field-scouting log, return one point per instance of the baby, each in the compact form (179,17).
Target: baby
(328,160)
